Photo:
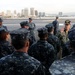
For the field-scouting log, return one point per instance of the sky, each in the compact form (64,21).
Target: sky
(48,6)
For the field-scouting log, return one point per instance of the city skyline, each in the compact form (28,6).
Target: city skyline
(48,6)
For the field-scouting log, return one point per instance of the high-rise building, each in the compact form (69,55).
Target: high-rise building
(22,13)
(2,13)
(40,14)
(43,14)
(26,12)
(8,13)
(15,12)
(60,13)
(32,12)
(36,13)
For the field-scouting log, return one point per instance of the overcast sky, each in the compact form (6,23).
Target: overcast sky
(49,6)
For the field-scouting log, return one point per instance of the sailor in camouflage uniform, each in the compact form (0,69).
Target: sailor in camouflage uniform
(1,25)
(56,25)
(25,25)
(25,28)
(5,47)
(66,66)
(32,27)
(63,36)
(19,62)
(52,39)
(42,50)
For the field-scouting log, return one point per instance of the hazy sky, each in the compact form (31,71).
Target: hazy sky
(49,6)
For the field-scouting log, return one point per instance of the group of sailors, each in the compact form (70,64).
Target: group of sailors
(52,54)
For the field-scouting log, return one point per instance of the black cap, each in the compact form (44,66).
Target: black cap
(30,18)
(20,33)
(1,20)
(42,30)
(3,30)
(50,25)
(24,23)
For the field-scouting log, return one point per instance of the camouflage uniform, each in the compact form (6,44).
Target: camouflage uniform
(52,39)
(32,27)
(43,51)
(68,49)
(63,36)
(5,48)
(3,26)
(56,26)
(20,63)
(24,23)
(65,66)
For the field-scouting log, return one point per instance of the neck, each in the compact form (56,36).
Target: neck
(25,50)
(51,32)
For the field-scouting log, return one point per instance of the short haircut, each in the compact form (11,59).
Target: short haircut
(3,35)
(50,29)
(19,41)
(42,36)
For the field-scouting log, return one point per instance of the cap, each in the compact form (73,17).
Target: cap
(42,30)
(3,30)
(1,20)
(20,33)
(50,25)
(67,22)
(24,23)
(30,18)
(71,35)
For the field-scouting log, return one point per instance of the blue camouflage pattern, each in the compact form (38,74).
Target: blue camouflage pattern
(65,66)
(20,63)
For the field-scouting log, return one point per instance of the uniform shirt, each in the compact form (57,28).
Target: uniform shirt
(32,27)
(20,63)
(44,52)
(4,28)
(52,39)
(65,66)
(56,26)
(63,36)
(5,48)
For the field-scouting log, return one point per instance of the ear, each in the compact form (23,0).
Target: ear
(27,44)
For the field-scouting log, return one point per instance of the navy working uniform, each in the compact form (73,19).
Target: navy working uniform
(63,36)
(42,50)
(20,63)
(1,26)
(32,38)
(56,26)
(32,27)
(5,47)
(52,39)
(66,66)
